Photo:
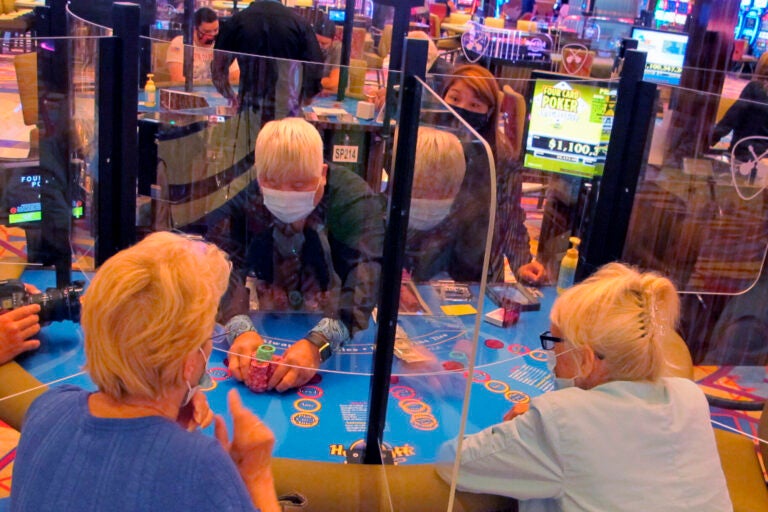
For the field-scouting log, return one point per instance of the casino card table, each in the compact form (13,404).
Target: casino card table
(325,420)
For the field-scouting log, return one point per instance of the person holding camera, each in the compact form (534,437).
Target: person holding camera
(17,330)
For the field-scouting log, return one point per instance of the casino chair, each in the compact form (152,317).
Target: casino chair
(513,112)
(576,61)
(741,465)
(375,59)
(447,46)
(16,23)
(439,10)
(494,22)
(159,67)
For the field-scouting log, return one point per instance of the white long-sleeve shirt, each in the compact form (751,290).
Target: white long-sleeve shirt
(622,446)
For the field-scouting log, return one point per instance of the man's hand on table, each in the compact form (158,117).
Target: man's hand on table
(297,366)
(241,352)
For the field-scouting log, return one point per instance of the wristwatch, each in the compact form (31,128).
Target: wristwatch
(322,344)
(328,335)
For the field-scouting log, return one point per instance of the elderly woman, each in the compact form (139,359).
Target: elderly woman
(437,175)
(147,318)
(615,435)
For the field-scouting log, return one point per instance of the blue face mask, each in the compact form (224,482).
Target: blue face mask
(204,383)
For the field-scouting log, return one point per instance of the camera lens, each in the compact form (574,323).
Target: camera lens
(59,304)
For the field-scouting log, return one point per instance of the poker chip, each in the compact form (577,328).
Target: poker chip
(394,379)
(494,343)
(453,366)
(316,379)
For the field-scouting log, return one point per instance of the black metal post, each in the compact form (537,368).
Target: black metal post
(109,141)
(55,106)
(346,48)
(394,246)
(126,24)
(613,194)
(188,26)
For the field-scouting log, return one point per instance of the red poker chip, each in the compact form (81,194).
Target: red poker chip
(394,379)
(316,379)
(492,343)
(453,366)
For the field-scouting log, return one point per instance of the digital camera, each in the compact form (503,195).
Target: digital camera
(55,304)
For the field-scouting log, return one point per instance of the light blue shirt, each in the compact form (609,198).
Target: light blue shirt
(629,446)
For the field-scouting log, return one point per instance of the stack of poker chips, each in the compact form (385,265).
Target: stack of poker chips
(261,369)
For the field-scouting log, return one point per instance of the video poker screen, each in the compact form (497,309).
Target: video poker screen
(23,198)
(665,54)
(569,125)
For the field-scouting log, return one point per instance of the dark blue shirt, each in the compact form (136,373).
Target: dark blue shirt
(70,460)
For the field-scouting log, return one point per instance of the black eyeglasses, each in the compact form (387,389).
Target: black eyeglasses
(548,341)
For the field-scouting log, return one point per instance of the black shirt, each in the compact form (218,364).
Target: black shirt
(276,87)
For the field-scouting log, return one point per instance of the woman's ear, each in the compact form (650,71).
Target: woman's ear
(188,368)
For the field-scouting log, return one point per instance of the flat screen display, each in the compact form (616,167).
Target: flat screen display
(336,15)
(665,54)
(569,125)
(23,198)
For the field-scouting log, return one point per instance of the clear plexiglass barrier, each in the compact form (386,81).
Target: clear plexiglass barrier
(699,214)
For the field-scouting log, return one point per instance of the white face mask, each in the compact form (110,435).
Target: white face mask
(289,205)
(560,382)
(204,382)
(428,213)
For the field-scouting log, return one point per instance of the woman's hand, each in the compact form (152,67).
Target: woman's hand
(241,352)
(532,272)
(251,451)
(516,411)
(197,413)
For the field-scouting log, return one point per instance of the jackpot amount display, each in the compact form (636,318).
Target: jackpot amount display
(569,128)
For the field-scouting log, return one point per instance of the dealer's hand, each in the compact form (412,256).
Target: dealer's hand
(241,352)
(532,272)
(297,366)
(16,327)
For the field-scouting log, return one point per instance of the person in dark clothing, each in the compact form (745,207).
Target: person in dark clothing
(310,238)
(748,117)
(275,49)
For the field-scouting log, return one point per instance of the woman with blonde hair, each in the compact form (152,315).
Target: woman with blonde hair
(147,317)
(615,434)
(473,93)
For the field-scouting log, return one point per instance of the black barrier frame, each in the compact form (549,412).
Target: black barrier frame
(118,97)
(613,194)
(414,65)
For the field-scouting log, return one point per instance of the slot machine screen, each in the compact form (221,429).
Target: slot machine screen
(23,198)
(569,125)
(665,54)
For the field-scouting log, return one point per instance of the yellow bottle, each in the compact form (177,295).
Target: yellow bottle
(567,274)
(150,92)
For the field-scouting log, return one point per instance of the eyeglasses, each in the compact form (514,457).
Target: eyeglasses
(548,341)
